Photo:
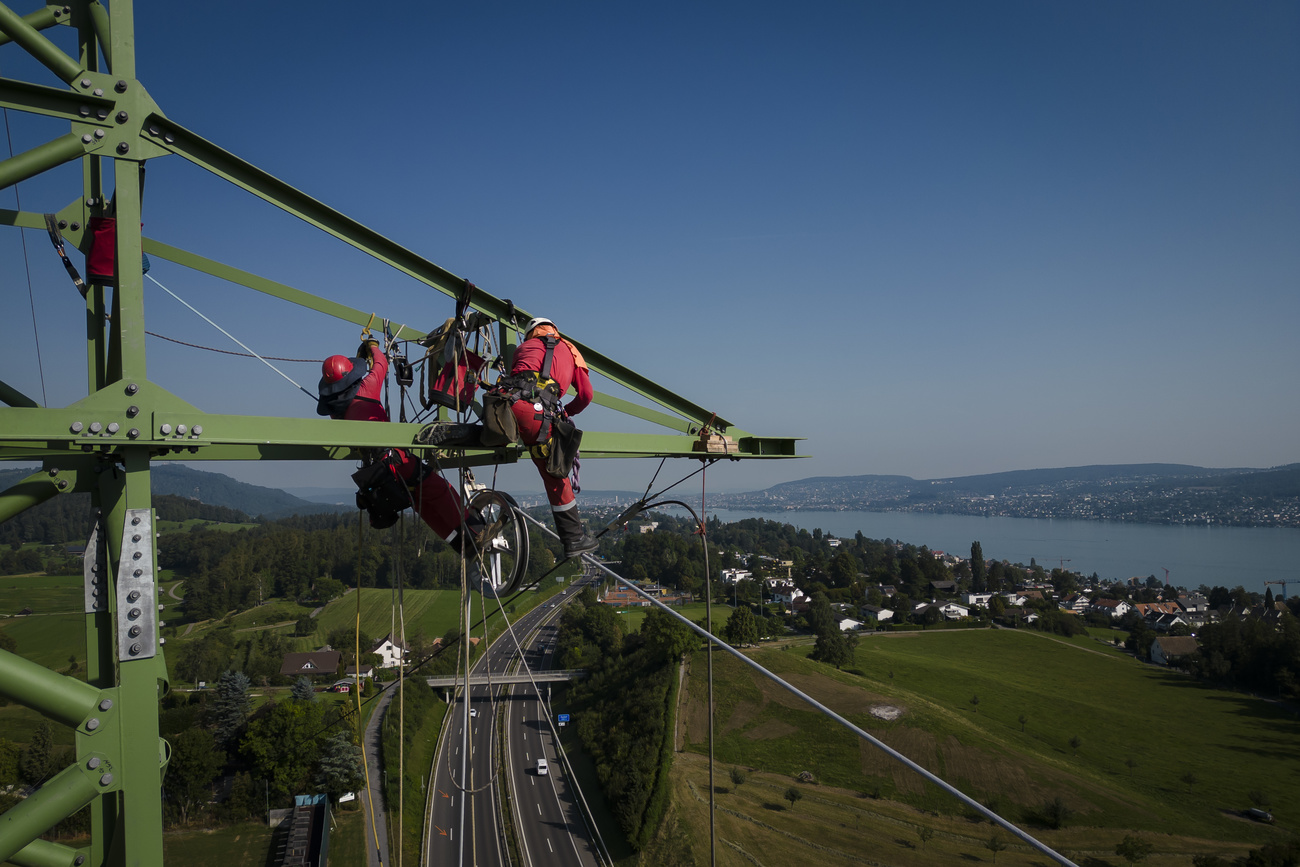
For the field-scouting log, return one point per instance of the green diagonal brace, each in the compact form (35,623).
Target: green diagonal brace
(71,789)
(43,853)
(41,158)
(41,19)
(19,30)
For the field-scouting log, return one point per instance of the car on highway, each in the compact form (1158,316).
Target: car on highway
(473,711)
(542,769)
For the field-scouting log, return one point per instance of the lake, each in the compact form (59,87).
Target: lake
(1194,555)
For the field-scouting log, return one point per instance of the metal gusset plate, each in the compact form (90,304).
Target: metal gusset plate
(94,566)
(137,601)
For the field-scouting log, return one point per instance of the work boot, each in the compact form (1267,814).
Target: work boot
(576,540)
(445,433)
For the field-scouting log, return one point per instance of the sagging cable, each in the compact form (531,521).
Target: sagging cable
(231,336)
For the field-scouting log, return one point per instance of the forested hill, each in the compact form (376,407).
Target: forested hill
(1150,493)
(179,493)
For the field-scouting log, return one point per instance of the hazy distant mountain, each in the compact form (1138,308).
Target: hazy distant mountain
(1148,493)
(221,490)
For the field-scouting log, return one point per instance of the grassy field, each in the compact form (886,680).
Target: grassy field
(247,844)
(1120,710)
(44,594)
(432,612)
(631,618)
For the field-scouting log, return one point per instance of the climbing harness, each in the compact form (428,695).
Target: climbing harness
(558,439)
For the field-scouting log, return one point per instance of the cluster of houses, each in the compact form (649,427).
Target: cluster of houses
(1191,610)
(325,663)
(623,597)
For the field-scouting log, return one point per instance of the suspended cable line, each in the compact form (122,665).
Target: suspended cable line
(231,336)
(31,295)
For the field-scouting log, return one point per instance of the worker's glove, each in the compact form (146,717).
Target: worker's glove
(365,350)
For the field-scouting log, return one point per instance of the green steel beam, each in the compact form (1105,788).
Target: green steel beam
(41,158)
(269,287)
(31,491)
(14,397)
(55,102)
(71,789)
(102,30)
(43,50)
(628,408)
(42,19)
(61,698)
(98,425)
(43,853)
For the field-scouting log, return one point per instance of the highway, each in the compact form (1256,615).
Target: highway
(465,815)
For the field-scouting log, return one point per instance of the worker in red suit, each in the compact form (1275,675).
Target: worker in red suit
(350,389)
(547,365)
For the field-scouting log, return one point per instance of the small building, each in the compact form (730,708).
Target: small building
(848,624)
(315,663)
(1114,608)
(875,613)
(943,586)
(1167,650)
(389,651)
(366,670)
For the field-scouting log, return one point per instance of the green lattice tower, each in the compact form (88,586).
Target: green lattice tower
(104,444)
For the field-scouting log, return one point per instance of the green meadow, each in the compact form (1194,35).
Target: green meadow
(1157,752)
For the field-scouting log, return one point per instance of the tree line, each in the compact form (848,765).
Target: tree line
(623,710)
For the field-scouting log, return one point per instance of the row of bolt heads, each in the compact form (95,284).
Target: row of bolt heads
(97,429)
(133,596)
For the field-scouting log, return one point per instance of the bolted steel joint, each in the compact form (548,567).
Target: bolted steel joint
(120,87)
(122,117)
(106,780)
(123,147)
(106,704)
(92,724)
(93,762)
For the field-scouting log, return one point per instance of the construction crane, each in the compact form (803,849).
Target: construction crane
(1283,583)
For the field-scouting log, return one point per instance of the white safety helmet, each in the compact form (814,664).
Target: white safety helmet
(533,323)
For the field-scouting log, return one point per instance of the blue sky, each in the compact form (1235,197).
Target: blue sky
(933,238)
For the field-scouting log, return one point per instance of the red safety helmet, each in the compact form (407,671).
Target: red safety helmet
(335,368)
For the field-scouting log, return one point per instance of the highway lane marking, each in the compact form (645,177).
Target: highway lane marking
(548,844)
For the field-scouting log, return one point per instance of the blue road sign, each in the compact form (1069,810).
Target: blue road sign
(563,717)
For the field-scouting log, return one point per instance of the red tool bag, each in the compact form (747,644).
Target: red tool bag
(457,381)
(101,259)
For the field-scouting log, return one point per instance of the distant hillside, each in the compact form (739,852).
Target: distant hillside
(1142,493)
(212,489)
(221,490)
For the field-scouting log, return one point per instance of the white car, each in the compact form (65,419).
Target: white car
(473,711)
(542,769)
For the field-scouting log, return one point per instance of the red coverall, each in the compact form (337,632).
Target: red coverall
(436,501)
(565,372)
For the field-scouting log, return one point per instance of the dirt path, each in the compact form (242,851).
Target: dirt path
(171,591)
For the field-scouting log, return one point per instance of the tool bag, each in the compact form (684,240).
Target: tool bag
(499,425)
(101,261)
(381,491)
(562,448)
